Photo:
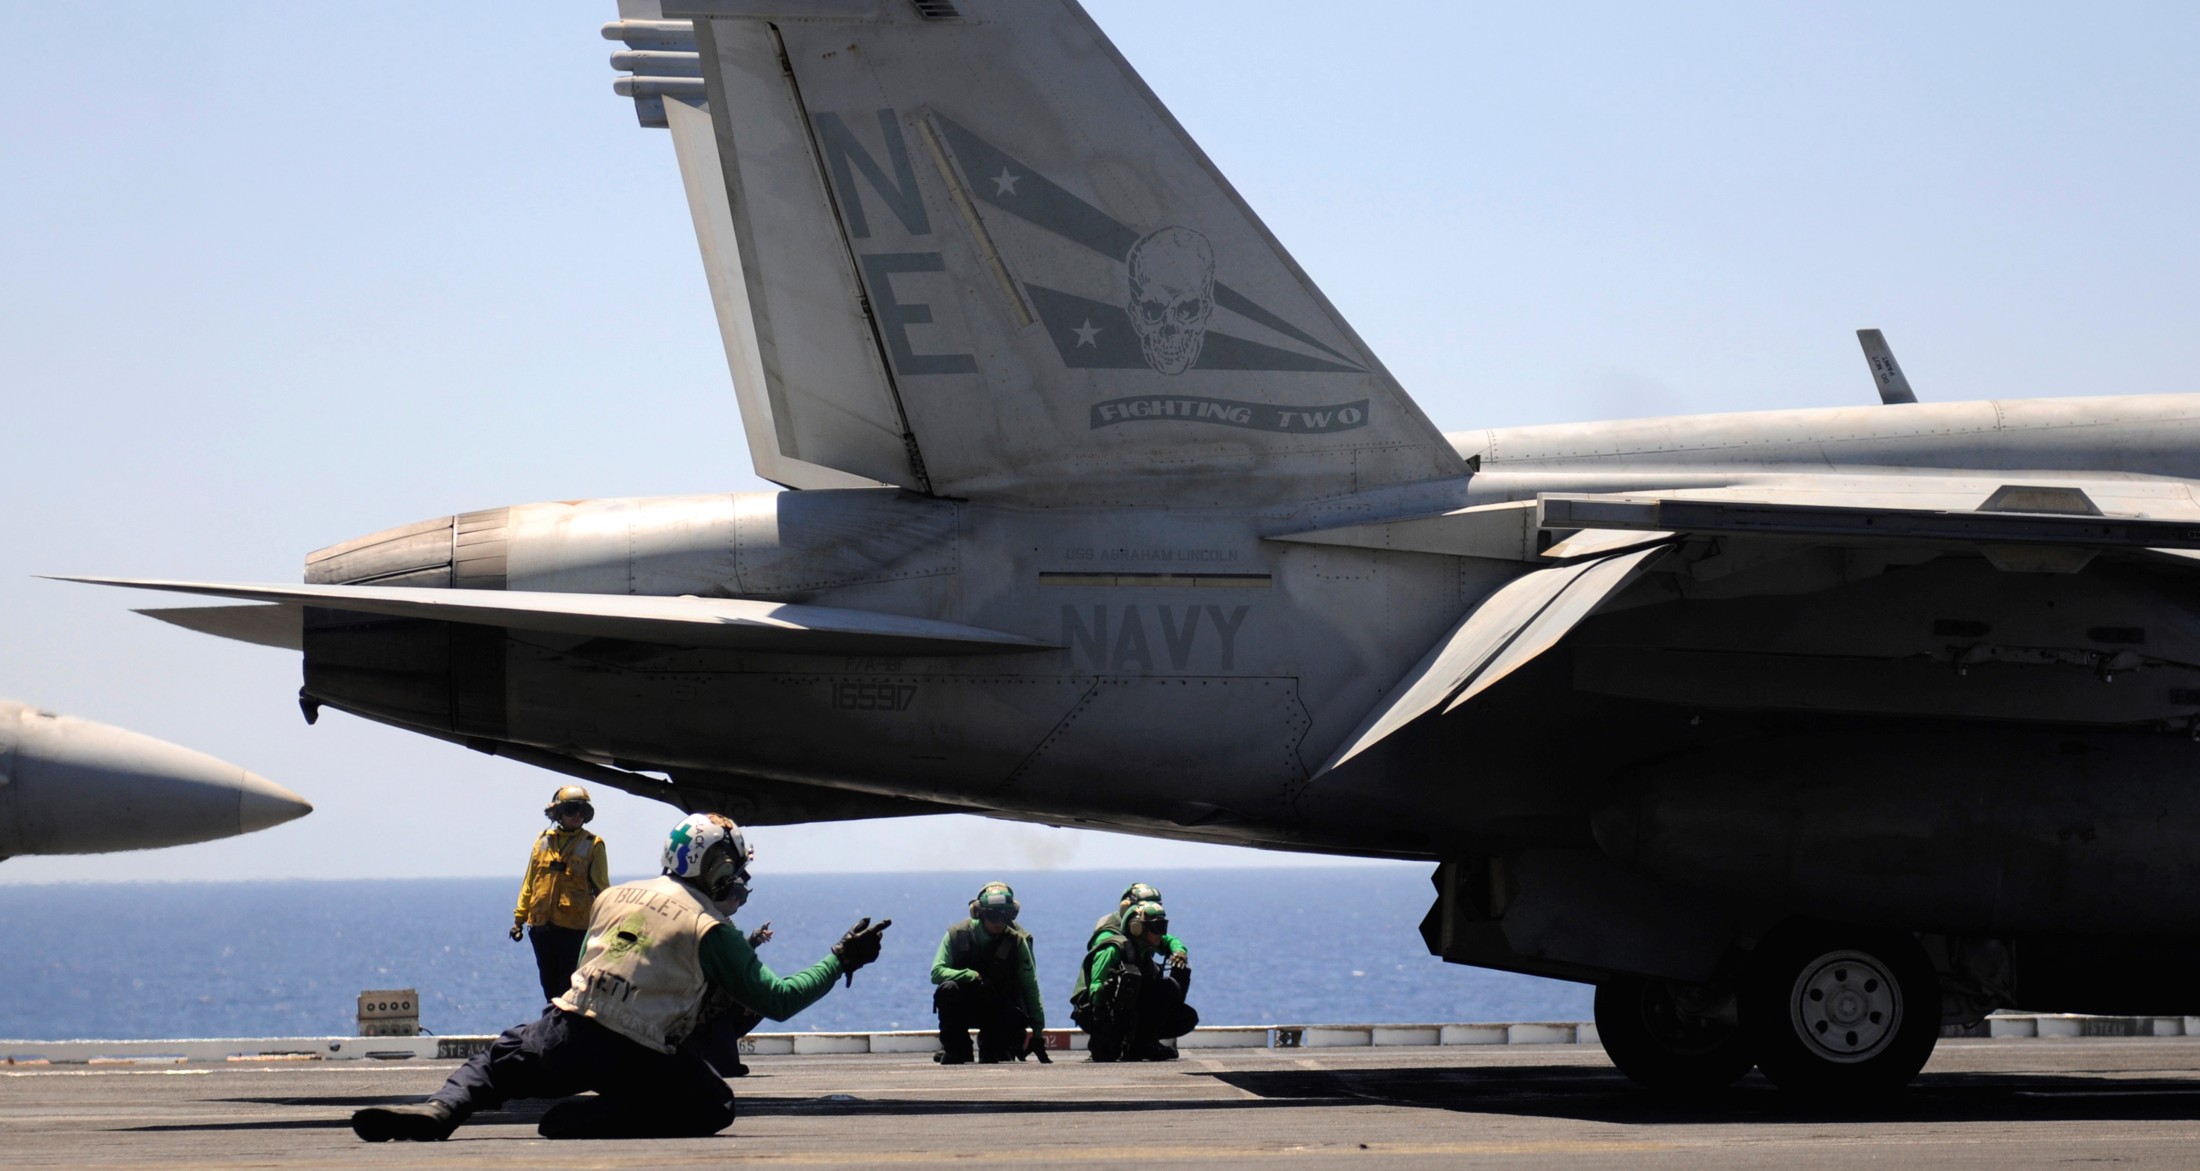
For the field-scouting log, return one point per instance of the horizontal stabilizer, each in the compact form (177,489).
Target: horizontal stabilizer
(728,623)
(747,799)
(1524,618)
(258,623)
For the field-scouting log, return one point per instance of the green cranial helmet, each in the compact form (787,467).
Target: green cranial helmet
(995,904)
(1139,892)
(1144,916)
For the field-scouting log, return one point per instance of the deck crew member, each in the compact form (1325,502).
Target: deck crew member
(985,980)
(1137,892)
(566,870)
(656,950)
(1131,988)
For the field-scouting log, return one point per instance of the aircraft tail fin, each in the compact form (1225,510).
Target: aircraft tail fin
(958,246)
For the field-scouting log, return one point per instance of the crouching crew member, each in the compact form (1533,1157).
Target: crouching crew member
(656,949)
(565,872)
(986,981)
(1135,893)
(1130,991)
(726,1020)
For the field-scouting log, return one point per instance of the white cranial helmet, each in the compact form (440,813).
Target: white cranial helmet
(709,850)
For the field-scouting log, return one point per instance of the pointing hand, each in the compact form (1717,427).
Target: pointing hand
(861,945)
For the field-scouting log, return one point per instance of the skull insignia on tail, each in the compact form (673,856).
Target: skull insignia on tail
(1172,294)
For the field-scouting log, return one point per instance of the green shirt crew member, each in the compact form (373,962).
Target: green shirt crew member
(985,979)
(657,953)
(566,870)
(1135,893)
(1131,987)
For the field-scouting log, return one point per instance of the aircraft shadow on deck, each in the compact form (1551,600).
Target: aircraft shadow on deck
(1553,1091)
(1603,1095)
(527,1112)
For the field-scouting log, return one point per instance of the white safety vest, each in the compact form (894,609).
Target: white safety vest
(641,973)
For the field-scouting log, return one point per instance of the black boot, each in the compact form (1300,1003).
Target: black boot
(429,1122)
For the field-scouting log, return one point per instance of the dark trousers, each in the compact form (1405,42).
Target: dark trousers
(1132,1016)
(557,953)
(996,1014)
(640,1093)
(718,1041)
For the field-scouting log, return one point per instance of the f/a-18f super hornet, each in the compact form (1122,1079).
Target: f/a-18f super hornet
(1796,733)
(71,786)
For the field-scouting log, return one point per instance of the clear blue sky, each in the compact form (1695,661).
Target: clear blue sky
(274,275)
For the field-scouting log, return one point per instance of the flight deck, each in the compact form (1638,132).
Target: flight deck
(1997,1103)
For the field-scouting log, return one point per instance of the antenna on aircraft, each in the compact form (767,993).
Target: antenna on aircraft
(1893,386)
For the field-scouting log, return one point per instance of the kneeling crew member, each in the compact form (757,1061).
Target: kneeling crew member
(565,872)
(656,949)
(1134,894)
(1130,991)
(986,981)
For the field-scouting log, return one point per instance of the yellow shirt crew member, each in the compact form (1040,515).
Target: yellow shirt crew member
(566,870)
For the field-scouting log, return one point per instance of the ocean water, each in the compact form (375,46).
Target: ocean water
(290,958)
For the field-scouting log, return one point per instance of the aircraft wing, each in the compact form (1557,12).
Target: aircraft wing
(1986,524)
(1522,619)
(1993,515)
(1594,544)
(730,623)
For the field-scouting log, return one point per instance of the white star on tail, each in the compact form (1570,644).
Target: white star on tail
(1005,182)
(1086,332)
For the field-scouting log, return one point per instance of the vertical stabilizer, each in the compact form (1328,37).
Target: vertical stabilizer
(958,246)
(1894,386)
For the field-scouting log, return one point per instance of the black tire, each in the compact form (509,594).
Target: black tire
(1646,1035)
(1841,1013)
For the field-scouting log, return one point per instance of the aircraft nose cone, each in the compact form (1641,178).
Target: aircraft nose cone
(262,803)
(79,787)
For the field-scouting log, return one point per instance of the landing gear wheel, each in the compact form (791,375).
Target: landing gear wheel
(1841,1013)
(1651,1036)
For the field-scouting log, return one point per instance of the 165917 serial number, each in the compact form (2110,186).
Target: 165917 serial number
(873,695)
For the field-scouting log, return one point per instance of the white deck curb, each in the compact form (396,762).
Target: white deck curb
(270,1049)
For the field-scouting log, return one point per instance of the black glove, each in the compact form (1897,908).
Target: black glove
(761,935)
(860,945)
(518,932)
(1037,1047)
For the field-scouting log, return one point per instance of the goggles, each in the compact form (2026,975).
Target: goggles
(571,808)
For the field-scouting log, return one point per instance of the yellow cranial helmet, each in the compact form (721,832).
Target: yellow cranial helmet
(570,799)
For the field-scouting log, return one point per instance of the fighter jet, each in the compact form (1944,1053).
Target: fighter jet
(1798,734)
(70,786)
